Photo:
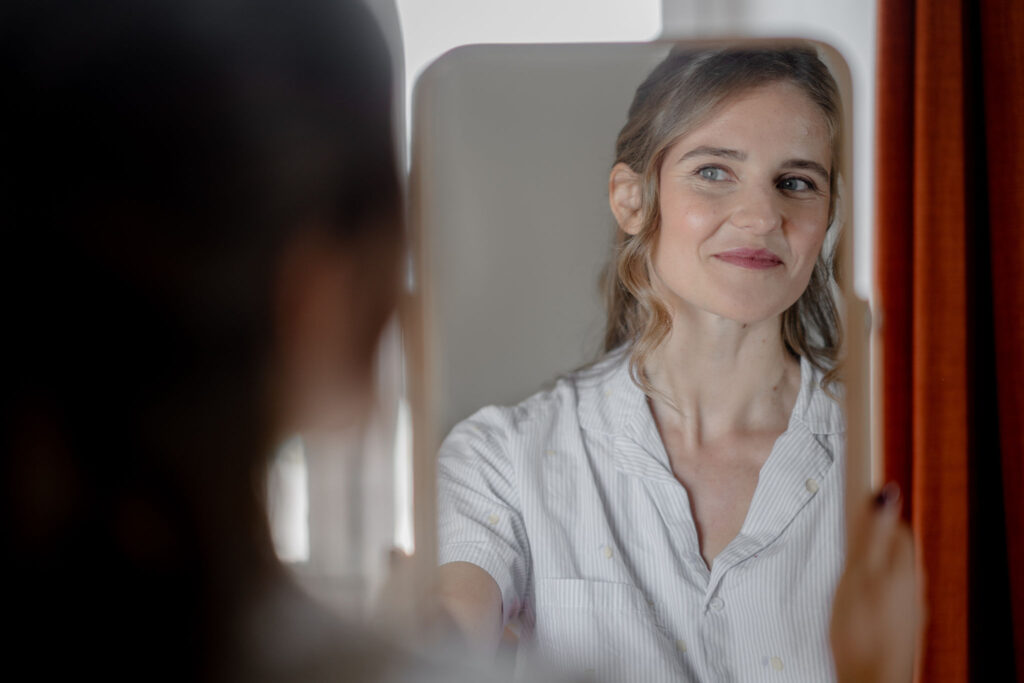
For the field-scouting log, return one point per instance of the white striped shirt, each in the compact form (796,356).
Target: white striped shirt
(569,502)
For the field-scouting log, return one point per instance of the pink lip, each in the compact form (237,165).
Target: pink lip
(755,259)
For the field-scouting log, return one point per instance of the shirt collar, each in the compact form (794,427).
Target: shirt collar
(610,402)
(819,412)
(609,399)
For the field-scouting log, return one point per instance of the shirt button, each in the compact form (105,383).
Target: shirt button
(717,604)
(492,519)
(681,645)
(776,663)
(812,485)
(607,550)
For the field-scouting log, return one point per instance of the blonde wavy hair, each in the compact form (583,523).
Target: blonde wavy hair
(681,93)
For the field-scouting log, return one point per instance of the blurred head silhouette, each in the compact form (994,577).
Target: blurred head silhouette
(202,225)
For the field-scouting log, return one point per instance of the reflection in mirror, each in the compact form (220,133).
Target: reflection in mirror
(674,507)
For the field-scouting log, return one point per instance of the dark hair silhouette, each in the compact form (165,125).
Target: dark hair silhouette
(158,157)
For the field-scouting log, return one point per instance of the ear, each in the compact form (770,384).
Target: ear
(625,195)
(323,357)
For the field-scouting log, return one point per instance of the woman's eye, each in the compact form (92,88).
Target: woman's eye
(711,173)
(793,184)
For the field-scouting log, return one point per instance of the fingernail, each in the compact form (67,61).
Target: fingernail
(888,496)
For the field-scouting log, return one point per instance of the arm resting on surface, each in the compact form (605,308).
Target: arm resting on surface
(472,600)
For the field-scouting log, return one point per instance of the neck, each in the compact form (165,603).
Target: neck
(716,377)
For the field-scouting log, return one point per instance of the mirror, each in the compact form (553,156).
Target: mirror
(512,150)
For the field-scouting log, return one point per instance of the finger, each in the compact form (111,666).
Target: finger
(901,549)
(861,532)
(906,564)
(882,527)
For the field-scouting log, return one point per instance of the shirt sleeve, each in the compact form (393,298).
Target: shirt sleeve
(479,516)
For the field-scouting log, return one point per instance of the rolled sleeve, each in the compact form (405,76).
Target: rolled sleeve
(479,517)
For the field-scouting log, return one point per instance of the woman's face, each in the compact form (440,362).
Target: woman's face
(744,206)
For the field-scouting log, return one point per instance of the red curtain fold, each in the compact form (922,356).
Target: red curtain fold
(950,221)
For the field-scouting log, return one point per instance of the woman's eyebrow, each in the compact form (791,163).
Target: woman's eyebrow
(705,150)
(807,165)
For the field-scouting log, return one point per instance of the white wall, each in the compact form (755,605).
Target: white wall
(432,27)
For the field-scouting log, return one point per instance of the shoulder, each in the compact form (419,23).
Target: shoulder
(568,403)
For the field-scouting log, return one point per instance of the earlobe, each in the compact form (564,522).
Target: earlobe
(625,196)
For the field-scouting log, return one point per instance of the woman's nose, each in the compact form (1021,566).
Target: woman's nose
(756,210)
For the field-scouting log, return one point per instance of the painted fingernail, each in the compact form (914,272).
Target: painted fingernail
(888,496)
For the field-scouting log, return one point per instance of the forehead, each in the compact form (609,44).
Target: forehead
(777,118)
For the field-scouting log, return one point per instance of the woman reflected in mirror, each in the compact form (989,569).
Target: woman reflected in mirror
(674,511)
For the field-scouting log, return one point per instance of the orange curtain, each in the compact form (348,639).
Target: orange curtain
(950,253)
